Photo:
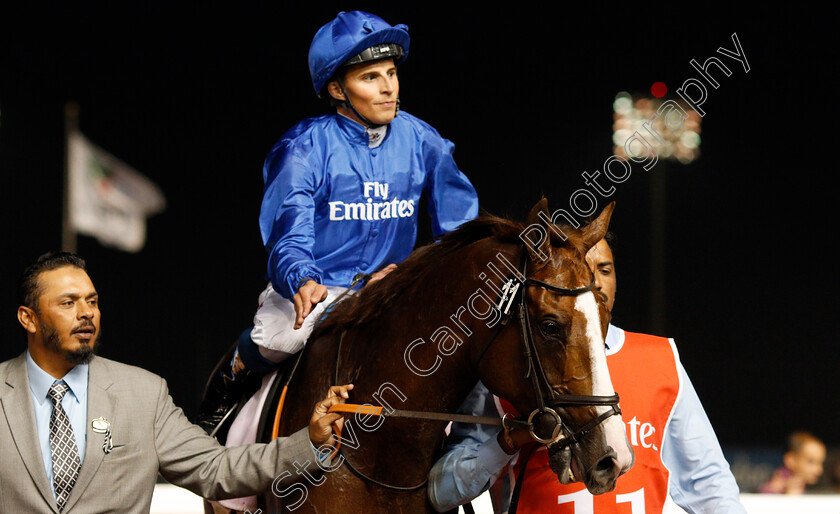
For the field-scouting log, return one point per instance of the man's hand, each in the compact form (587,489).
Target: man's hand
(511,441)
(379,275)
(321,425)
(308,296)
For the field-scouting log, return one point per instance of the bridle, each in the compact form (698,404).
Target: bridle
(512,299)
(513,295)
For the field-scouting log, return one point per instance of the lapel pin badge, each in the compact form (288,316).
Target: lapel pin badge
(100,425)
(103,426)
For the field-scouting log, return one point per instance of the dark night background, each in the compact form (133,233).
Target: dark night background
(194,97)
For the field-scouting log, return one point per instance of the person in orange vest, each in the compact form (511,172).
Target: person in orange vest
(677,452)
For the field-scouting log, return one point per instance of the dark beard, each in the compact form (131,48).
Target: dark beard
(81,355)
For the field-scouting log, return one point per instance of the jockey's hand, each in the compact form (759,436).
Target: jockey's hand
(308,296)
(323,425)
(379,275)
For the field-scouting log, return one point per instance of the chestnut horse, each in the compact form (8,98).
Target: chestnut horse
(420,339)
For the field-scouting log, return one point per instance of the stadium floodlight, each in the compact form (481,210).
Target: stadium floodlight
(680,144)
(673,141)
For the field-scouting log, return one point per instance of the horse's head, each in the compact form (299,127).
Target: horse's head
(563,322)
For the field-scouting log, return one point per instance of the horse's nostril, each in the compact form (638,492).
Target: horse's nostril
(604,465)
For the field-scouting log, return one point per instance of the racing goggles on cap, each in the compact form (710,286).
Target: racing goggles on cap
(374,53)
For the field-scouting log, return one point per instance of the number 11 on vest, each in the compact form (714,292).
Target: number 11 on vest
(584,503)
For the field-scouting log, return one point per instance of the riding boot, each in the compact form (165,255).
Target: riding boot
(230,385)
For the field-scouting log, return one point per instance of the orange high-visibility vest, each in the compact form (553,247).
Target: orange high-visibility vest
(644,373)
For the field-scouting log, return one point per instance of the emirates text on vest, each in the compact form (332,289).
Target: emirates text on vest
(370,211)
(639,433)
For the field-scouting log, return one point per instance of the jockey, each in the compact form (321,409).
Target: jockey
(342,194)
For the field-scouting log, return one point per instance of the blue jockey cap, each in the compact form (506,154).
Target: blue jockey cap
(354,36)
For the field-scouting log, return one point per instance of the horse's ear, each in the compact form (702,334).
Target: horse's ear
(596,230)
(534,215)
(536,236)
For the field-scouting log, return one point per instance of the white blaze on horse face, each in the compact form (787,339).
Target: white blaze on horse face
(601,382)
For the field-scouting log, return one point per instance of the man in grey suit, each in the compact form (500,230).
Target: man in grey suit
(84,434)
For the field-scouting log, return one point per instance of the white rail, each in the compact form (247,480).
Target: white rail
(170,499)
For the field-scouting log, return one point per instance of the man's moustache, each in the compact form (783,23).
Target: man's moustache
(84,326)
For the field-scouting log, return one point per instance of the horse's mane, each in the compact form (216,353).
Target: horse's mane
(371,301)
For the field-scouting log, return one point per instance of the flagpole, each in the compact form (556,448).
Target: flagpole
(71,125)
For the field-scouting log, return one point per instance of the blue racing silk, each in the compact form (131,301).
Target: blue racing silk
(334,206)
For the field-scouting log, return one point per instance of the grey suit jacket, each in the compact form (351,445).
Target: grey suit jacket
(150,434)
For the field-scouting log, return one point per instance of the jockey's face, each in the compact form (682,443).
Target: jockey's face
(373,88)
(600,261)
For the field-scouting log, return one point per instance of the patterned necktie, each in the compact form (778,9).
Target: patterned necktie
(65,453)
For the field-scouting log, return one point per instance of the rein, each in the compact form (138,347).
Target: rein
(363,409)
(513,295)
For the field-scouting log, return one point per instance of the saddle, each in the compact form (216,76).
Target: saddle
(216,421)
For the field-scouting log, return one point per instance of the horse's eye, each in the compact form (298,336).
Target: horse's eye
(550,328)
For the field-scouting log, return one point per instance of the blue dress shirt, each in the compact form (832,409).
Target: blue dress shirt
(700,481)
(74,404)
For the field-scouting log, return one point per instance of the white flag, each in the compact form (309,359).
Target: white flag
(108,199)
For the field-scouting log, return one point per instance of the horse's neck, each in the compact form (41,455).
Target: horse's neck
(420,355)
(428,344)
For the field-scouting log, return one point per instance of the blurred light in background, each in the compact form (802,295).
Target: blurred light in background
(630,113)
